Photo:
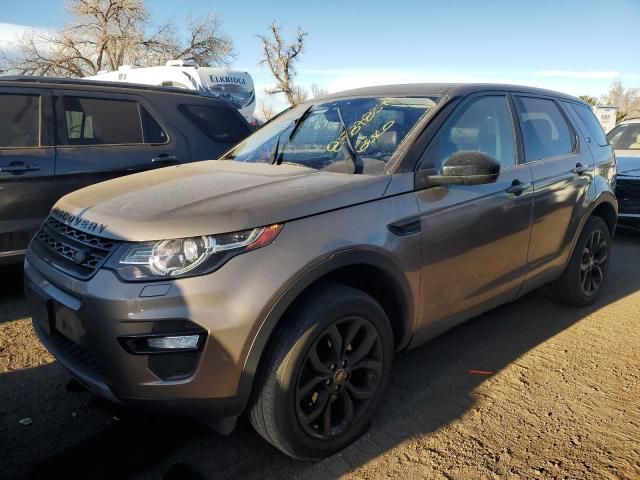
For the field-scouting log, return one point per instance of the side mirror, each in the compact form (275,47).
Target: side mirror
(462,168)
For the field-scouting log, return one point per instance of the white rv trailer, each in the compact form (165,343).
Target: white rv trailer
(234,86)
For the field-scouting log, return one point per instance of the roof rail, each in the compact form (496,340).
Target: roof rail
(94,83)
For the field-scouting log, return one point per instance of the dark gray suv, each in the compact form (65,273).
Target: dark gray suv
(60,135)
(282,278)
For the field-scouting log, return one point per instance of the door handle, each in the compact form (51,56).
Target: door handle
(517,187)
(580,169)
(19,168)
(164,158)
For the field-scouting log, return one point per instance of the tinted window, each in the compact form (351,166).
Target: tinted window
(95,121)
(544,129)
(19,121)
(217,123)
(625,136)
(153,132)
(591,123)
(483,125)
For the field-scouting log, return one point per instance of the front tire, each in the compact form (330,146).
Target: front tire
(582,281)
(324,373)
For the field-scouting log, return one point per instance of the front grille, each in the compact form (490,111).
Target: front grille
(628,194)
(71,250)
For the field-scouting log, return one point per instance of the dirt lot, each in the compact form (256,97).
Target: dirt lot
(563,401)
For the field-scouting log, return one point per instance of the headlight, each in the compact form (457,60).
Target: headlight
(183,257)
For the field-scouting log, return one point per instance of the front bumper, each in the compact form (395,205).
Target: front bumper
(81,323)
(628,195)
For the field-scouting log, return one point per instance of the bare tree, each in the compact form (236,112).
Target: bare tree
(626,99)
(265,110)
(318,91)
(104,34)
(589,99)
(205,43)
(281,58)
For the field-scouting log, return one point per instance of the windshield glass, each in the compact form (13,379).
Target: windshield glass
(377,127)
(625,136)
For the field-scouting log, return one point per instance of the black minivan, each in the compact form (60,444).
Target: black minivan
(59,135)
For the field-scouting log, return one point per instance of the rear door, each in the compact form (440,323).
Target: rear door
(562,171)
(27,163)
(103,136)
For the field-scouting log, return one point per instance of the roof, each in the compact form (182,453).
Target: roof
(51,82)
(450,89)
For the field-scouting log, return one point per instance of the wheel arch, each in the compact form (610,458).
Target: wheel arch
(359,268)
(604,206)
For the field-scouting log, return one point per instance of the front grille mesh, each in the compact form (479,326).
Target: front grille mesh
(628,194)
(71,250)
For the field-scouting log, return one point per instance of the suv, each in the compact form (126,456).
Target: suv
(60,135)
(625,139)
(282,278)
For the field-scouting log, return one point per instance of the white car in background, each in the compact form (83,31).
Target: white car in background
(233,86)
(625,139)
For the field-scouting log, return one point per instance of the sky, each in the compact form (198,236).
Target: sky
(574,46)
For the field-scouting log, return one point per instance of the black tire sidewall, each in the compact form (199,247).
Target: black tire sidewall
(310,322)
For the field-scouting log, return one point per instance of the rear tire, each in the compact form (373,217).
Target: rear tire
(581,283)
(324,373)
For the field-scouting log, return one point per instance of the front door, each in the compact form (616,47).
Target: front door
(27,163)
(474,237)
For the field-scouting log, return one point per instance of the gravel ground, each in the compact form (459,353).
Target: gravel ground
(562,401)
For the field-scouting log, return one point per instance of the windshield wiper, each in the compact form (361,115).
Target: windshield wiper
(276,153)
(357,162)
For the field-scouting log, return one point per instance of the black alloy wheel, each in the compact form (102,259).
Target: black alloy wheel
(592,267)
(340,376)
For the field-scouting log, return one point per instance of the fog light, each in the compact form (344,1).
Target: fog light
(182,342)
(144,345)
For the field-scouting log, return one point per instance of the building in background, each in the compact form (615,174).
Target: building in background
(606,115)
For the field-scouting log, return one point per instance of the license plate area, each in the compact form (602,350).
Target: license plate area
(66,322)
(41,310)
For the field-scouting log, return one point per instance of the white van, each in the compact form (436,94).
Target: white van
(234,86)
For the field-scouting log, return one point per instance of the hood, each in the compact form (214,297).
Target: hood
(211,197)
(628,162)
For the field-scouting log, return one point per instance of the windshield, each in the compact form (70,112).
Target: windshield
(376,126)
(625,136)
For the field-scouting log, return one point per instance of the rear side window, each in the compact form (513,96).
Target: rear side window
(19,121)
(217,123)
(153,132)
(545,132)
(591,123)
(97,121)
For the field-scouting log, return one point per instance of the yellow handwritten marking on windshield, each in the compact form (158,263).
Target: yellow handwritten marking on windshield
(363,143)
(357,126)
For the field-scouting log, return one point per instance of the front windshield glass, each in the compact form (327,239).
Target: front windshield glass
(625,136)
(377,127)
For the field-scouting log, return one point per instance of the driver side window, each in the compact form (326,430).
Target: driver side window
(482,125)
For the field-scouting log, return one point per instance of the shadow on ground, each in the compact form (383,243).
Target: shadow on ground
(431,387)
(12,305)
